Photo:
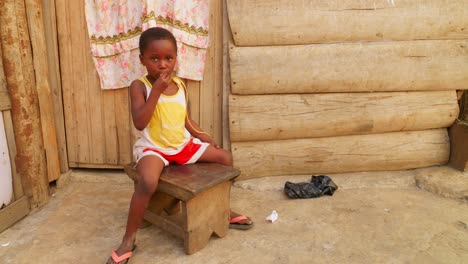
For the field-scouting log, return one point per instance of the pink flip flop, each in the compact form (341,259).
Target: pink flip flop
(118,259)
(235,223)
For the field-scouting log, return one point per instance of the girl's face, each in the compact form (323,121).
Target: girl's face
(158,57)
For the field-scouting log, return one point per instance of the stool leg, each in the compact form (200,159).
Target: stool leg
(205,214)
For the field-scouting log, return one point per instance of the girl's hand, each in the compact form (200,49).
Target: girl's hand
(162,82)
(213,143)
(207,139)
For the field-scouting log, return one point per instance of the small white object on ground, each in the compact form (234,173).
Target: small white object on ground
(272,217)
(6,244)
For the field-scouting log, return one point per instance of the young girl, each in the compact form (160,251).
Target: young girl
(166,133)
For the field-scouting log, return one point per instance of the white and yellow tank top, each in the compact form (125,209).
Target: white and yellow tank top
(166,130)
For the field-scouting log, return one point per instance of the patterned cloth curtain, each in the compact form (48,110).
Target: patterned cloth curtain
(114,28)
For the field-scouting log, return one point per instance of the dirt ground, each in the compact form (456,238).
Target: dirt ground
(372,218)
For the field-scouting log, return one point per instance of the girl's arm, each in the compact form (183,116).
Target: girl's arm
(197,132)
(143,109)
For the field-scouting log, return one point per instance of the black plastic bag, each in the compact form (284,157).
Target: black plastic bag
(318,186)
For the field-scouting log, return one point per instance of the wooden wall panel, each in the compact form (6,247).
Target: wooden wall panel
(377,152)
(283,22)
(44,95)
(50,26)
(18,64)
(274,117)
(352,67)
(98,124)
(211,87)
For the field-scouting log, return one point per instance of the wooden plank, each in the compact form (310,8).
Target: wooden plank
(66,69)
(211,86)
(99,131)
(80,85)
(5,103)
(218,72)
(377,152)
(97,110)
(19,73)
(41,71)
(13,213)
(272,117)
(50,26)
(227,38)
(283,22)
(122,119)
(205,214)
(164,223)
(109,121)
(193,88)
(10,135)
(94,165)
(69,68)
(9,132)
(356,67)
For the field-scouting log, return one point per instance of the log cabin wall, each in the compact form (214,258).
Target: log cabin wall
(343,86)
(98,127)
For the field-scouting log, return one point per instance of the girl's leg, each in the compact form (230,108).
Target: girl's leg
(149,169)
(216,155)
(224,157)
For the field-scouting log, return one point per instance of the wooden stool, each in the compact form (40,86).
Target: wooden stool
(201,191)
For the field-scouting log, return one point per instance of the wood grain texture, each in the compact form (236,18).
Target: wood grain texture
(193,89)
(283,22)
(376,152)
(206,213)
(50,27)
(10,134)
(9,131)
(211,86)
(18,65)
(41,71)
(273,117)
(227,38)
(100,133)
(97,121)
(13,213)
(354,67)
(185,182)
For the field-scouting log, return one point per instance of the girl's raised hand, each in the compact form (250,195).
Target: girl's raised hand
(162,82)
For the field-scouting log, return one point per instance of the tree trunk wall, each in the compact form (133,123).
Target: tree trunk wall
(284,22)
(343,86)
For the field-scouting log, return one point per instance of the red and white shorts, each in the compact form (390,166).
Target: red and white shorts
(189,154)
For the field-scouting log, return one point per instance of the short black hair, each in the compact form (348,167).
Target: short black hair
(155,33)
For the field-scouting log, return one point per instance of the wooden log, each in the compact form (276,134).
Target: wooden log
(21,83)
(356,67)
(272,117)
(283,22)
(41,71)
(377,152)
